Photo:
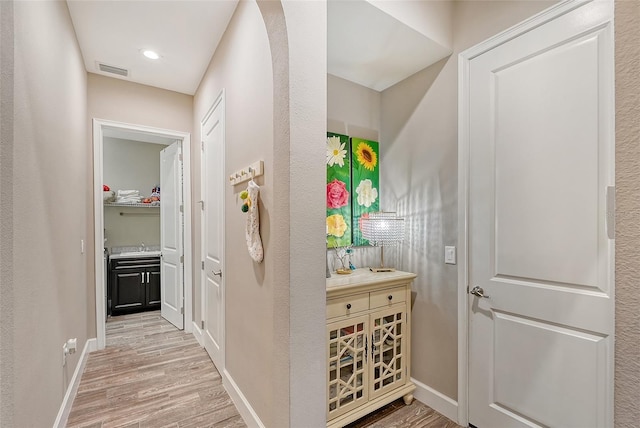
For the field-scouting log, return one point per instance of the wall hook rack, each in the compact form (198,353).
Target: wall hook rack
(256,169)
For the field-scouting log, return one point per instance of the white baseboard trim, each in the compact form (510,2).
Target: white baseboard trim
(436,400)
(65,408)
(244,408)
(197,333)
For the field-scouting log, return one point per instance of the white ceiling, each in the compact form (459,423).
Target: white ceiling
(372,48)
(364,44)
(184,33)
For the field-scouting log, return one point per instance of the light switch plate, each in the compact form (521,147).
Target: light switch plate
(450,255)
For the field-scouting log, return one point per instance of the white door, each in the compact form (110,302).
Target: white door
(212,221)
(540,162)
(171,222)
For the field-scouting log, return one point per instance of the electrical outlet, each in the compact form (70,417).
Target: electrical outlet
(72,345)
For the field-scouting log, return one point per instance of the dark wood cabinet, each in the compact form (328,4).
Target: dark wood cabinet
(128,289)
(152,297)
(134,285)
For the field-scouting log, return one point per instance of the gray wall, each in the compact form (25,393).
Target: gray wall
(40,166)
(419,116)
(132,228)
(44,291)
(241,66)
(627,377)
(123,101)
(6,213)
(355,110)
(272,73)
(416,123)
(131,165)
(306,117)
(352,109)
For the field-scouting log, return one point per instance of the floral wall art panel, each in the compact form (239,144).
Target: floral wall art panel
(338,190)
(365,176)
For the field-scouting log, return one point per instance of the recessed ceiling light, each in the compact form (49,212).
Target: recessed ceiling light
(150,54)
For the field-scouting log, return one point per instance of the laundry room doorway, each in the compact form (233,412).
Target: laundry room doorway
(166,283)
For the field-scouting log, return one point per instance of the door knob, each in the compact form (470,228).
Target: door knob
(219,273)
(479,292)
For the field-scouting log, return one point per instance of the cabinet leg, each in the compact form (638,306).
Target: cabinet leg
(408,399)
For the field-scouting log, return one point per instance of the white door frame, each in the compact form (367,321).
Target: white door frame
(464,59)
(99,126)
(219,100)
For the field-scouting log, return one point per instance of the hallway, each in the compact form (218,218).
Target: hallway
(151,375)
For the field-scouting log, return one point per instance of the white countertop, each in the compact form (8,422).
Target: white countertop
(137,254)
(364,276)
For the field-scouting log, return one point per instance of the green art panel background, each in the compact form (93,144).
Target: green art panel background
(338,191)
(365,188)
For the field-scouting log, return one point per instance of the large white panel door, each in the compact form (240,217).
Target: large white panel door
(213,221)
(171,244)
(540,263)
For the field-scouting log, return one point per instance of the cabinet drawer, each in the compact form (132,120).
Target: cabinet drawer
(135,262)
(388,297)
(347,305)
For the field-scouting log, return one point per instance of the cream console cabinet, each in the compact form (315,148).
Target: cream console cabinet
(368,343)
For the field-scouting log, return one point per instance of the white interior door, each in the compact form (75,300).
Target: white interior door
(213,221)
(171,239)
(540,163)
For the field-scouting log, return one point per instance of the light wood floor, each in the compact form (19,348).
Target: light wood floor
(153,375)
(399,415)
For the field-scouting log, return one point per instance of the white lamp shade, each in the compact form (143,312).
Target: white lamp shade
(382,228)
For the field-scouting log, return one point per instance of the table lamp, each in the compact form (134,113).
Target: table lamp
(382,229)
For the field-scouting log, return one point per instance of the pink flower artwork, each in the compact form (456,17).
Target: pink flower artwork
(337,194)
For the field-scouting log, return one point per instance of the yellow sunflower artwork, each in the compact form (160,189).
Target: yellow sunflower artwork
(367,157)
(365,183)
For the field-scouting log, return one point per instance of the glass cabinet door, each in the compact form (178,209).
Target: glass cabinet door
(388,360)
(347,361)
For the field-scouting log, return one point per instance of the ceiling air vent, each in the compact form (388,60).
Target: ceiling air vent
(114,70)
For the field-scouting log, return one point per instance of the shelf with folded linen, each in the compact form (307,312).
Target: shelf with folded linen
(130,198)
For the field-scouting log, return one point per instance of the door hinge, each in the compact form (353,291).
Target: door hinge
(201,145)
(181,259)
(182,311)
(202,324)
(181,208)
(180,157)
(203,265)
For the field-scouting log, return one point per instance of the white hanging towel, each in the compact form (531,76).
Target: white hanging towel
(254,243)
